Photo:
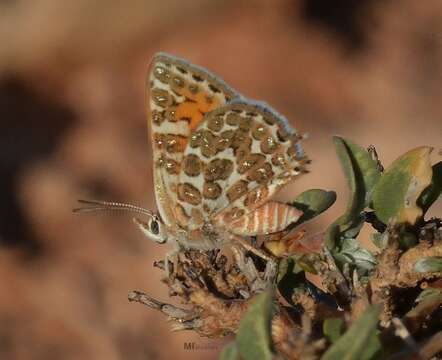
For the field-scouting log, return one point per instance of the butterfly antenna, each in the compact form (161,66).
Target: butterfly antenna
(97,205)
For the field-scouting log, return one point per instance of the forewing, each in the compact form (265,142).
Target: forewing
(179,95)
(237,158)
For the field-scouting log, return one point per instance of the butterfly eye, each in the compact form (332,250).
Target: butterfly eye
(154,227)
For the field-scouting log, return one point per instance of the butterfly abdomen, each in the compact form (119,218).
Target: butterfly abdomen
(269,218)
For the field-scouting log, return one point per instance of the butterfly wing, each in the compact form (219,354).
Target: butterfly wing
(179,95)
(236,159)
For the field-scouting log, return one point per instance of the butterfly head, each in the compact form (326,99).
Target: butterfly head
(153,228)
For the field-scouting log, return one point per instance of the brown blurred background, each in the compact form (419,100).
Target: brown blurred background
(73,126)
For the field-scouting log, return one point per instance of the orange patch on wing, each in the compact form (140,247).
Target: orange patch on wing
(194,110)
(206,102)
(189,110)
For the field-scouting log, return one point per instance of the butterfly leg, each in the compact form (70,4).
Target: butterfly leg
(271,271)
(173,257)
(258,281)
(271,264)
(249,247)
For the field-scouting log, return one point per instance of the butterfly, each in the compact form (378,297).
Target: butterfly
(218,158)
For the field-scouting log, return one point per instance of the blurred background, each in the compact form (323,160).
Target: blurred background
(72,125)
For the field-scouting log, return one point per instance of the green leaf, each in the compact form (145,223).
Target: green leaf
(313,202)
(432,193)
(332,329)
(332,235)
(428,293)
(361,341)
(253,338)
(230,352)
(351,252)
(356,227)
(396,193)
(429,264)
(425,306)
(362,174)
